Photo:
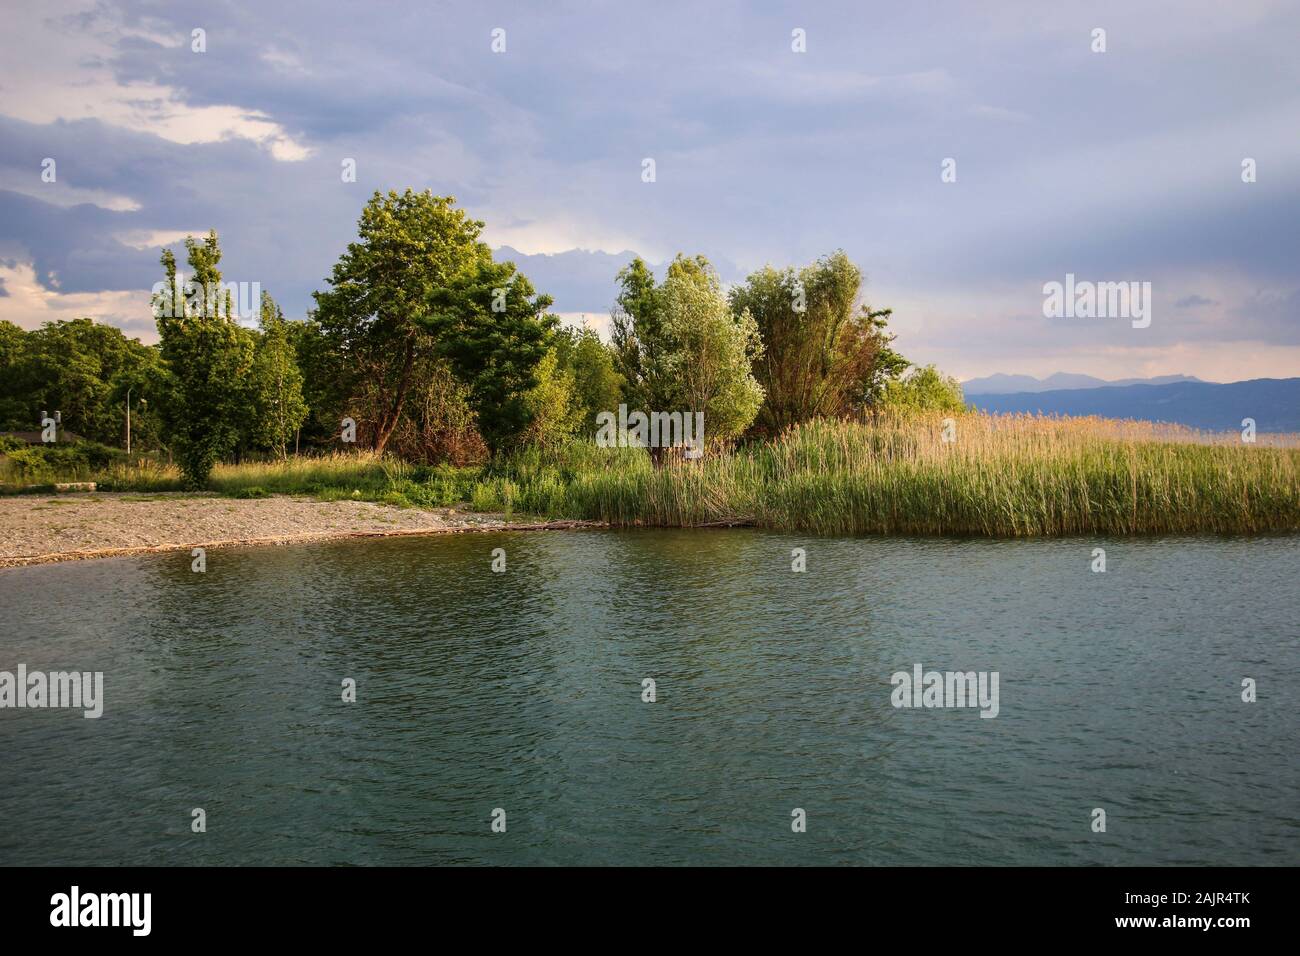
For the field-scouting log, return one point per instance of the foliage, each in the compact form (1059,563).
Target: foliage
(711,349)
(924,390)
(410,245)
(21,463)
(209,357)
(492,329)
(553,406)
(275,383)
(824,354)
(679,347)
(84,371)
(597,385)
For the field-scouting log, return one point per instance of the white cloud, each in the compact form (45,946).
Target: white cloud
(28,304)
(154,238)
(56,69)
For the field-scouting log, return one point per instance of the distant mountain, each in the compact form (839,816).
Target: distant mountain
(1274,403)
(999,384)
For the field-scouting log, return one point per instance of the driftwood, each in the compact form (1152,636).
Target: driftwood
(23,560)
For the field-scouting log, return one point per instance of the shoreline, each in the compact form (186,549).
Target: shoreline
(56,528)
(39,529)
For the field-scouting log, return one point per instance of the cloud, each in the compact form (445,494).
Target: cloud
(59,66)
(1067,161)
(28,304)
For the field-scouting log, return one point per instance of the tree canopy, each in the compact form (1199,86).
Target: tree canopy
(409,246)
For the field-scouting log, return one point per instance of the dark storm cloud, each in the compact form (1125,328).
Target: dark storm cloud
(1123,165)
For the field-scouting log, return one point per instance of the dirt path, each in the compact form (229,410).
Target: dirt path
(35,529)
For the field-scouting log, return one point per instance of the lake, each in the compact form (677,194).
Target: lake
(523,691)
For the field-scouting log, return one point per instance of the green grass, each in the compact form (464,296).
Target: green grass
(1014,476)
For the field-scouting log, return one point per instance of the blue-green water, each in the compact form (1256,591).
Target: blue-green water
(523,690)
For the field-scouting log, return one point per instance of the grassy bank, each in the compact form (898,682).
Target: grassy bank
(1001,475)
(1005,476)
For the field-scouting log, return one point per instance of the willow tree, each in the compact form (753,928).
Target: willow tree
(825,352)
(680,347)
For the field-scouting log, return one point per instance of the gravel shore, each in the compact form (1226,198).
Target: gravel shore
(35,529)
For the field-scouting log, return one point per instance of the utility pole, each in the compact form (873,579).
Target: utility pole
(128,421)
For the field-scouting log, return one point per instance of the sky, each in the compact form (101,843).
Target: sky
(1117,166)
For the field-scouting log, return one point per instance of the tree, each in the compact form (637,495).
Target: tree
(141,381)
(492,328)
(638,341)
(439,424)
(275,383)
(14,413)
(712,349)
(209,357)
(597,386)
(326,386)
(925,389)
(680,347)
(83,370)
(825,354)
(409,246)
(553,404)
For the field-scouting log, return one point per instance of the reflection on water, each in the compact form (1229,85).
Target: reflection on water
(523,691)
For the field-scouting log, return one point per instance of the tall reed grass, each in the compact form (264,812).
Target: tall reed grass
(1002,475)
(1010,476)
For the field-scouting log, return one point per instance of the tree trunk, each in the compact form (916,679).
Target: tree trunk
(389,421)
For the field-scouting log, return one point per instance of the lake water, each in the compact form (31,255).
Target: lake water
(523,691)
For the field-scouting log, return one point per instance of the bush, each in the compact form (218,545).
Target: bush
(45,464)
(924,390)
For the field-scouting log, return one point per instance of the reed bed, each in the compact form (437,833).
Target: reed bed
(1001,475)
(1012,476)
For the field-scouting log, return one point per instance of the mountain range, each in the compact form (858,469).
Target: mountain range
(1274,403)
(999,384)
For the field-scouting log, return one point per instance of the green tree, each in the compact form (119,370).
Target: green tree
(597,385)
(83,370)
(712,349)
(925,389)
(326,387)
(209,357)
(409,246)
(553,404)
(439,424)
(493,330)
(275,383)
(14,414)
(825,354)
(680,347)
(639,343)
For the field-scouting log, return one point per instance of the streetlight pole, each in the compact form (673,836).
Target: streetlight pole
(128,420)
